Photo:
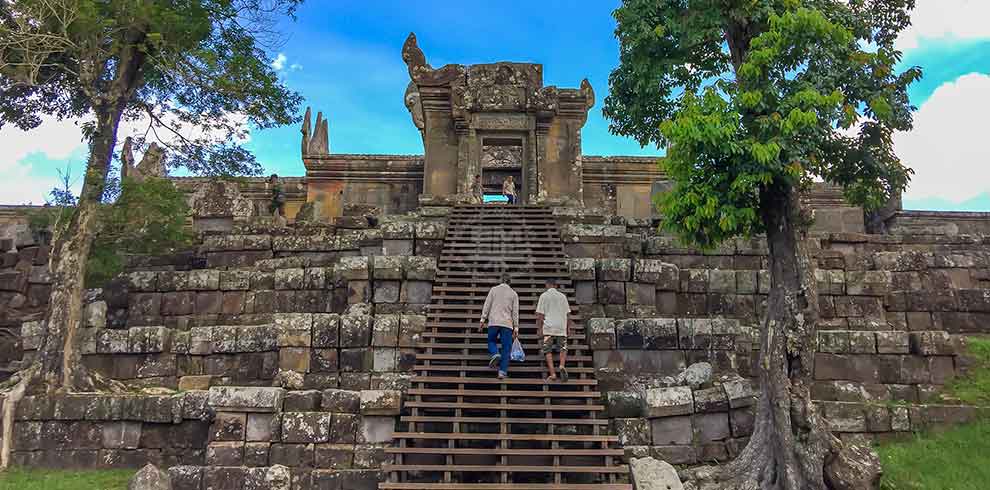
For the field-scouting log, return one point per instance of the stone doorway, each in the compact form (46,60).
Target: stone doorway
(500,159)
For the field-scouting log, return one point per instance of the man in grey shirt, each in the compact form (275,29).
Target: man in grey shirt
(501,314)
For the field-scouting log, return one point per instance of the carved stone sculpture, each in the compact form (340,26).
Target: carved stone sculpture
(319,142)
(152,163)
(415,105)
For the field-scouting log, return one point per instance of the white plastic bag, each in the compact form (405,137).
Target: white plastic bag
(517,352)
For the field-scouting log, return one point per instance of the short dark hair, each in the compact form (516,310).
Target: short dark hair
(550,281)
(505,278)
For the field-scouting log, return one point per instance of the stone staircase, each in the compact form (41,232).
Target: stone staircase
(463,429)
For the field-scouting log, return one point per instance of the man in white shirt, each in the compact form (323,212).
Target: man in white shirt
(501,314)
(553,321)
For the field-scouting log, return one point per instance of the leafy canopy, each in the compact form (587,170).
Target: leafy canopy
(205,71)
(757,97)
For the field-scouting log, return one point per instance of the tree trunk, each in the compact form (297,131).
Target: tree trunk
(60,359)
(791,446)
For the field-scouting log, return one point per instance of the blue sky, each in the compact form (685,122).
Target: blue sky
(344,58)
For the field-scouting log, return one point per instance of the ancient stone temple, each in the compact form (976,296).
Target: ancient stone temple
(339,350)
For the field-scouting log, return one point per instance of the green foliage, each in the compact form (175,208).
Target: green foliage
(753,99)
(47,479)
(203,71)
(147,218)
(958,459)
(974,387)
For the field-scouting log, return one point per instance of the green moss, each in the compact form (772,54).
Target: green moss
(958,459)
(37,479)
(974,388)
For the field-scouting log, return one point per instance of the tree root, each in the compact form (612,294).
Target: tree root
(30,380)
(848,466)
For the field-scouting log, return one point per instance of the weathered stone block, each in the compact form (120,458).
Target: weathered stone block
(262,427)
(387,291)
(672,430)
(416,292)
(203,280)
(341,401)
(389,267)
(345,428)
(601,333)
(892,342)
(742,422)
(228,426)
(384,359)
(225,454)
(334,456)
(385,332)
(355,331)
(632,432)
(740,392)
(419,268)
(623,404)
(381,402)
(358,359)
(246,399)
(353,269)
(931,343)
(862,343)
(659,333)
(376,430)
(667,402)
(711,427)
(306,427)
(121,435)
(711,400)
(614,269)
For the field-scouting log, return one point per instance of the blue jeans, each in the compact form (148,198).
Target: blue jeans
(506,338)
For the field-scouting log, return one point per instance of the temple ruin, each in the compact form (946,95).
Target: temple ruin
(339,351)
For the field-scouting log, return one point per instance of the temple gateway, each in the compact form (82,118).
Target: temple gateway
(494,120)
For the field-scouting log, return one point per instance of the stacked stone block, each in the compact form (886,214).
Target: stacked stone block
(354,351)
(682,425)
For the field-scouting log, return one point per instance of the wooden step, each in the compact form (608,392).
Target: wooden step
(512,369)
(504,451)
(451,335)
(505,437)
(486,357)
(530,348)
(505,486)
(496,381)
(507,468)
(504,393)
(505,406)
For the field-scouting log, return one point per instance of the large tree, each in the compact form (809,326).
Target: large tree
(196,72)
(754,100)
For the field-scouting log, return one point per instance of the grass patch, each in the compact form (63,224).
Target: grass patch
(958,459)
(38,479)
(974,387)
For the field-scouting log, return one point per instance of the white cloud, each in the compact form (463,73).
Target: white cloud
(946,20)
(295,67)
(54,142)
(279,62)
(948,147)
(57,143)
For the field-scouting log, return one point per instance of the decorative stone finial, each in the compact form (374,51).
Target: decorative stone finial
(306,131)
(151,164)
(411,54)
(588,92)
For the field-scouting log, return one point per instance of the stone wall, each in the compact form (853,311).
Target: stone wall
(352,351)
(939,222)
(221,438)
